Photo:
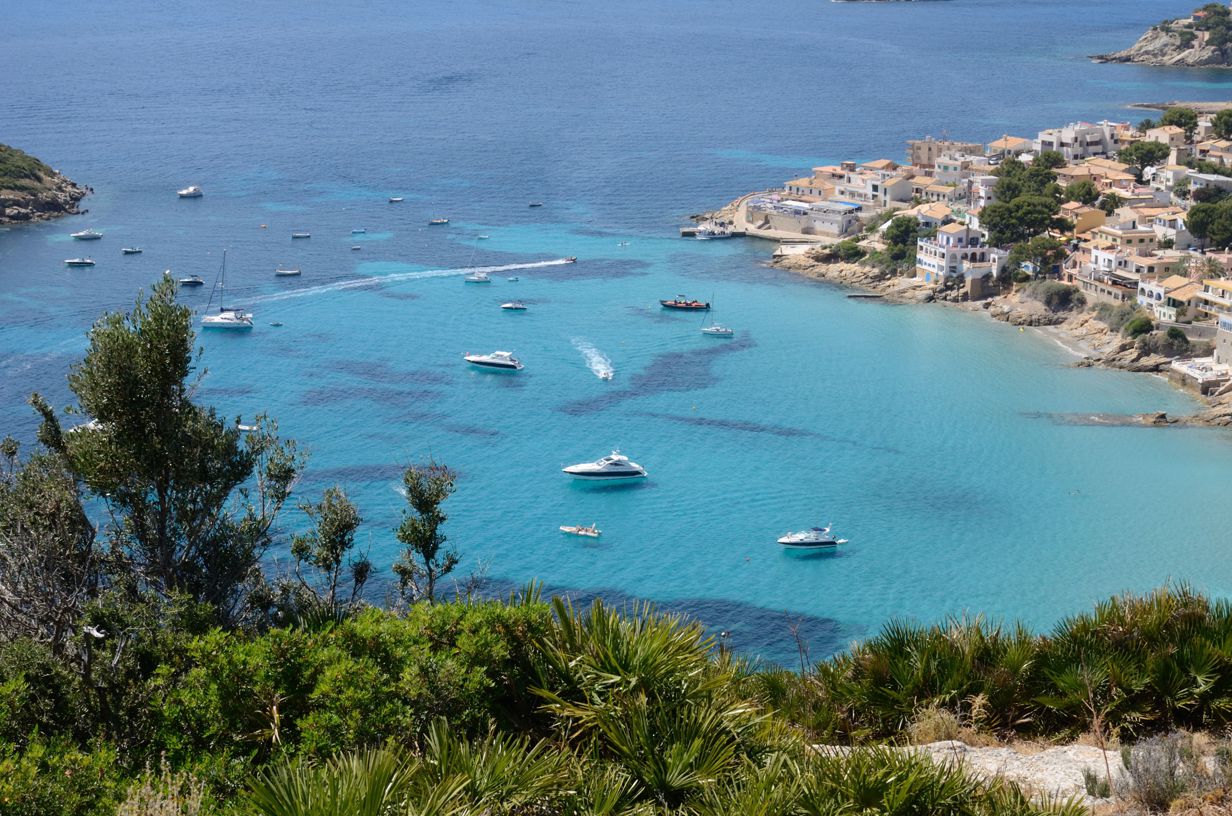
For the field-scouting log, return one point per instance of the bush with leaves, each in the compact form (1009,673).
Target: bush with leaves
(1056,296)
(1138,326)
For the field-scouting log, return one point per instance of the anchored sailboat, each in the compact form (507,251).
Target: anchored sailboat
(235,319)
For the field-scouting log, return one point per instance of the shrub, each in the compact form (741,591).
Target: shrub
(56,778)
(1057,297)
(1159,770)
(1138,326)
(1172,343)
(1114,316)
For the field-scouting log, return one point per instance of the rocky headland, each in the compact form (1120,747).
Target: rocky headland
(1199,41)
(1092,342)
(32,191)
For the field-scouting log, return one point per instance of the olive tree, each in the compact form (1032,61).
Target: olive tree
(425,559)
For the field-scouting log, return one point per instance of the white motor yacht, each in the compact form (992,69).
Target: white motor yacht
(131,250)
(611,468)
(499,360)
(438,222)
(395,199)
(191,280)
(812,538)
(718,331)
(286,273)
(190,192)
(88,235)
(79,262)
(514,306)
(477,277)
(592,531)
(301,235)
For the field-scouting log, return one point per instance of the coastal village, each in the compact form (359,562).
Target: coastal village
(1106,230)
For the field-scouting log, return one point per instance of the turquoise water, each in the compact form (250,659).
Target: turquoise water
(921,432)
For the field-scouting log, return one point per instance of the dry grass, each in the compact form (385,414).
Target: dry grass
(934,724)
(164,794)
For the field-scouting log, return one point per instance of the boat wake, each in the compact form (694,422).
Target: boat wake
(396,277)
(596,361)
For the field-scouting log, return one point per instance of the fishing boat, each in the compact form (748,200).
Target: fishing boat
(498,360)
(78,262)
(514,306)
(301,235)
(680,302)
(811,539)
(477,277)
(191,280)
(395,199)
(224,318)
(87,235)
(131,250)
(438,222)
(578,530)
(190,192)
(286,273)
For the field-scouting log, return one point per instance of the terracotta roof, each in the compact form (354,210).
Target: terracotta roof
(880,164)
(1187,292)
(953,228)
(1174,282)
(1007,142)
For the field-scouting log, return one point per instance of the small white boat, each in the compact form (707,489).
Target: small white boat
(483,237)
(716,330)
(354,248)
(301,235)
(88,235)
(578,530)
(514,279)
(395,199)
(535,204)
(190,192)
(500,360)
(360,231)
(224,318)
(438,222)
(276,323)
(709,233)
(78,262)
(811,539)
(477,277)
(514,306)
(191,280)
(286,273)
(242,428)
(605,375)
(611,468)
(131,250)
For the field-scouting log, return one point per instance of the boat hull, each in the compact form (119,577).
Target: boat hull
(685,307)
(601,477)
(227,326)
(494,366)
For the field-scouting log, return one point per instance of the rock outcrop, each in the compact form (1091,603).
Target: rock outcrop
(32,191)
(1169,45)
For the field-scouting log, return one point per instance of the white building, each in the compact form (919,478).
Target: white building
(956,250)
(1079,140)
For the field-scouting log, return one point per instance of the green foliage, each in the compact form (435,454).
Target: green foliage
(1115,316)
(1184,118)
(1211,222)
(56,778)
(901,237)
(1011,222)
(1140,155)
(424,559)
(1042,251)
(848,251)
(1015,179)
(22,172)
(1138,326)
(1172,343)
(1083,191)
(1147,124)
(325,550)
(1110,203)
(1058,297)
(1222,124)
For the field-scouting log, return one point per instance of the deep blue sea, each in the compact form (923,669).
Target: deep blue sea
(918,431)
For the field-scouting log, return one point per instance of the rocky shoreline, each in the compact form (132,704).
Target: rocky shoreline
(32,191)
(1081,332)
(1168,47)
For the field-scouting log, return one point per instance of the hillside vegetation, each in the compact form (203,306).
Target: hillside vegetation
(31,191)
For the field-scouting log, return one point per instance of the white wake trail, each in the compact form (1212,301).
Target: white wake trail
(395,277)
(596,361)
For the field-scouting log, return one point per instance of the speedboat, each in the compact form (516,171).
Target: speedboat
(191,280)
(482,237)
(301,235)
(611,468)
(571,259)
(710,233)
(190,192)
(276,323)
(286,273)
(360,231)
(477,277)
(514,306)
(437,222)
(395,199)
(131,250)
(576,529)
(716,330)
(683,303)
(354,248)
(812,538)
(500,360)
(79,262)
(605,375)
(514,279)
(88,235)
(535,204)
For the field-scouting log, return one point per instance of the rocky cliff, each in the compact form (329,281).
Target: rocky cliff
(32,191)
(1167,45)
